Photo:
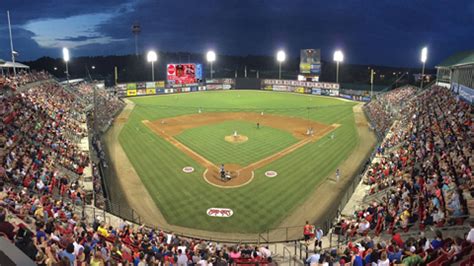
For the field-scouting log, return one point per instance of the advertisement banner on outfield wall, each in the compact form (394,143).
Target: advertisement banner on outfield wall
(131,92)
(121,86)
(308,59)
(221,81)
(160,91)
(346,96)
(131,86)
(299,90)
(160,84)
(194,88)
(169,90)
(141,92)
(141,85)
(316,91)
(297,83)
(330,92)
(202,88)
(150,91)
(268,88)
(214,86)
(185,89)
(150,85)
(280,88)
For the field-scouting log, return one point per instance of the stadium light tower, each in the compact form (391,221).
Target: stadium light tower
(338,57)
(136,29)
(424,56)
(281,56)
(152,57)
(66,60)
(211,57)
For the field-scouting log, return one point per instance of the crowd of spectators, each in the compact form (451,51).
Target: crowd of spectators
(22,77)
(411,251)
(107,104)
(383,110)
(423,170)
(103,107)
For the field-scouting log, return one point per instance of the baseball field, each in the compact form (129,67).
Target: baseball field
(301,138)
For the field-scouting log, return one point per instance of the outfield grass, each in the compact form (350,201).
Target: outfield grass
(258,206)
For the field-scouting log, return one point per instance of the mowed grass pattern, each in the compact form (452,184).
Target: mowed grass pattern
(209,142)
(258,206)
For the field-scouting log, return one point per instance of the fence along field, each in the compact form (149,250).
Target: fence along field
(263,203)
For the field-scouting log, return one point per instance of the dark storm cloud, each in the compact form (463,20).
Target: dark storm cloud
(25,10)
(378,32)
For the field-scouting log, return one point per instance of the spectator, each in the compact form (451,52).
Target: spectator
(6,227)
(470,235)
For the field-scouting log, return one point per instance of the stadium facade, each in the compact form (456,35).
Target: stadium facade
(457,73)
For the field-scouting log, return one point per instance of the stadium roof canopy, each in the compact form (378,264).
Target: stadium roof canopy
(458,59)
(8,64)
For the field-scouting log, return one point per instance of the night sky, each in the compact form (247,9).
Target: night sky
(369,32)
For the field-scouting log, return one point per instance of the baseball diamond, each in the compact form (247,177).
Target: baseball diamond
(163,134)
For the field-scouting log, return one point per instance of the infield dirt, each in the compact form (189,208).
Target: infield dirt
(170,127)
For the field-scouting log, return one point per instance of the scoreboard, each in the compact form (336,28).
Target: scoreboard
(183,73)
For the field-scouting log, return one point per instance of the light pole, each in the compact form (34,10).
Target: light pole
(281,56)
(152,57)
(66,59)
(211,57)
(338,57)
(424,56)
(11,43)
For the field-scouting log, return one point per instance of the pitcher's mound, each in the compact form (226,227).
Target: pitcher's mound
(236,139)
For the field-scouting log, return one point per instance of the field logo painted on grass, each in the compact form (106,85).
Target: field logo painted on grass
(188,169)
(271,173)
(219,212)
